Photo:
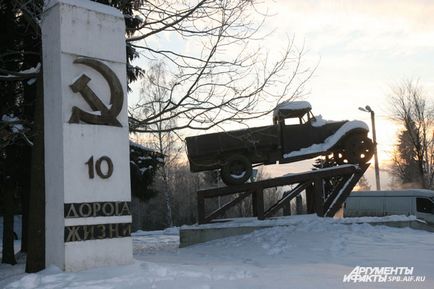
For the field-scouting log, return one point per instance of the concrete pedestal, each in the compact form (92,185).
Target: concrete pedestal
(87,174)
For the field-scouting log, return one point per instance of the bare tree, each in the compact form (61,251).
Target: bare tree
(225,75)
(184,186)
(220,68)
(163,139)
(413,109)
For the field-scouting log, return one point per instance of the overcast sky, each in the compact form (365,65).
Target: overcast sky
(363,49)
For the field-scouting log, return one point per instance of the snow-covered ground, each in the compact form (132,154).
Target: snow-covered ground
(311,252)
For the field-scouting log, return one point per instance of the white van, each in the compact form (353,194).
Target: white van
(419,203)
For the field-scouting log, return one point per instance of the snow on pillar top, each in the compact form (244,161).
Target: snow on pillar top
(89,29)
(86,4)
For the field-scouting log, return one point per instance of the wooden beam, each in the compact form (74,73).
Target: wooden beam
(220,211)
(286,199)
(336,190)
(281,181)
(345,191)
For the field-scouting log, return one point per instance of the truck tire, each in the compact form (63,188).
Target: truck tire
(236,170)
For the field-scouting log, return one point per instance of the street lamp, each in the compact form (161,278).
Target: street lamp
(374,137)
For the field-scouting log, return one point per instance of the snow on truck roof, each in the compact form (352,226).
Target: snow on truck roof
(291,109)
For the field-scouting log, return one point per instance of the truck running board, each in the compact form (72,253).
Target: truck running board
(325,189)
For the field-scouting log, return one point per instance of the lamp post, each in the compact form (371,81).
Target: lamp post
(374,137)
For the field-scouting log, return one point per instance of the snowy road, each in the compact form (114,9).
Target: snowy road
(311,253)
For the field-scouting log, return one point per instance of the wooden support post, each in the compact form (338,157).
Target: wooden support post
(319,196)
(287,209)
(299,205)
(200,209)
(259,204)
(286,206)
(310,200)
(254,204)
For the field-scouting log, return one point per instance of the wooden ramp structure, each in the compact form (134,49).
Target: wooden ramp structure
(326,190)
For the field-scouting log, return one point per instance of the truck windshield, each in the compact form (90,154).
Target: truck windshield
(293,121)
(298,120)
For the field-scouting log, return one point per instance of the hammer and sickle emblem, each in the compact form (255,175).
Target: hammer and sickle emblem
(108,115)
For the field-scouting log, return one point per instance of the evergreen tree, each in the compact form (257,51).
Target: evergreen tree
(17,52)
(363,185)
(21,99)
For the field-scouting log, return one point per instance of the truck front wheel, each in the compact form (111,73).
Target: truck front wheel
(359,149)
(236,170)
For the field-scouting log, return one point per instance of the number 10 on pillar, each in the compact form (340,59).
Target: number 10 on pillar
(103,173)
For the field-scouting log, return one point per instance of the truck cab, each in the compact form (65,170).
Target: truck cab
(298,110)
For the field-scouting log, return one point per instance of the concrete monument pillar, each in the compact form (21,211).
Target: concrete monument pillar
(87,173)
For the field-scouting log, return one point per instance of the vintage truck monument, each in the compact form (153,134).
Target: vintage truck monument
(295,135)
(235,152)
